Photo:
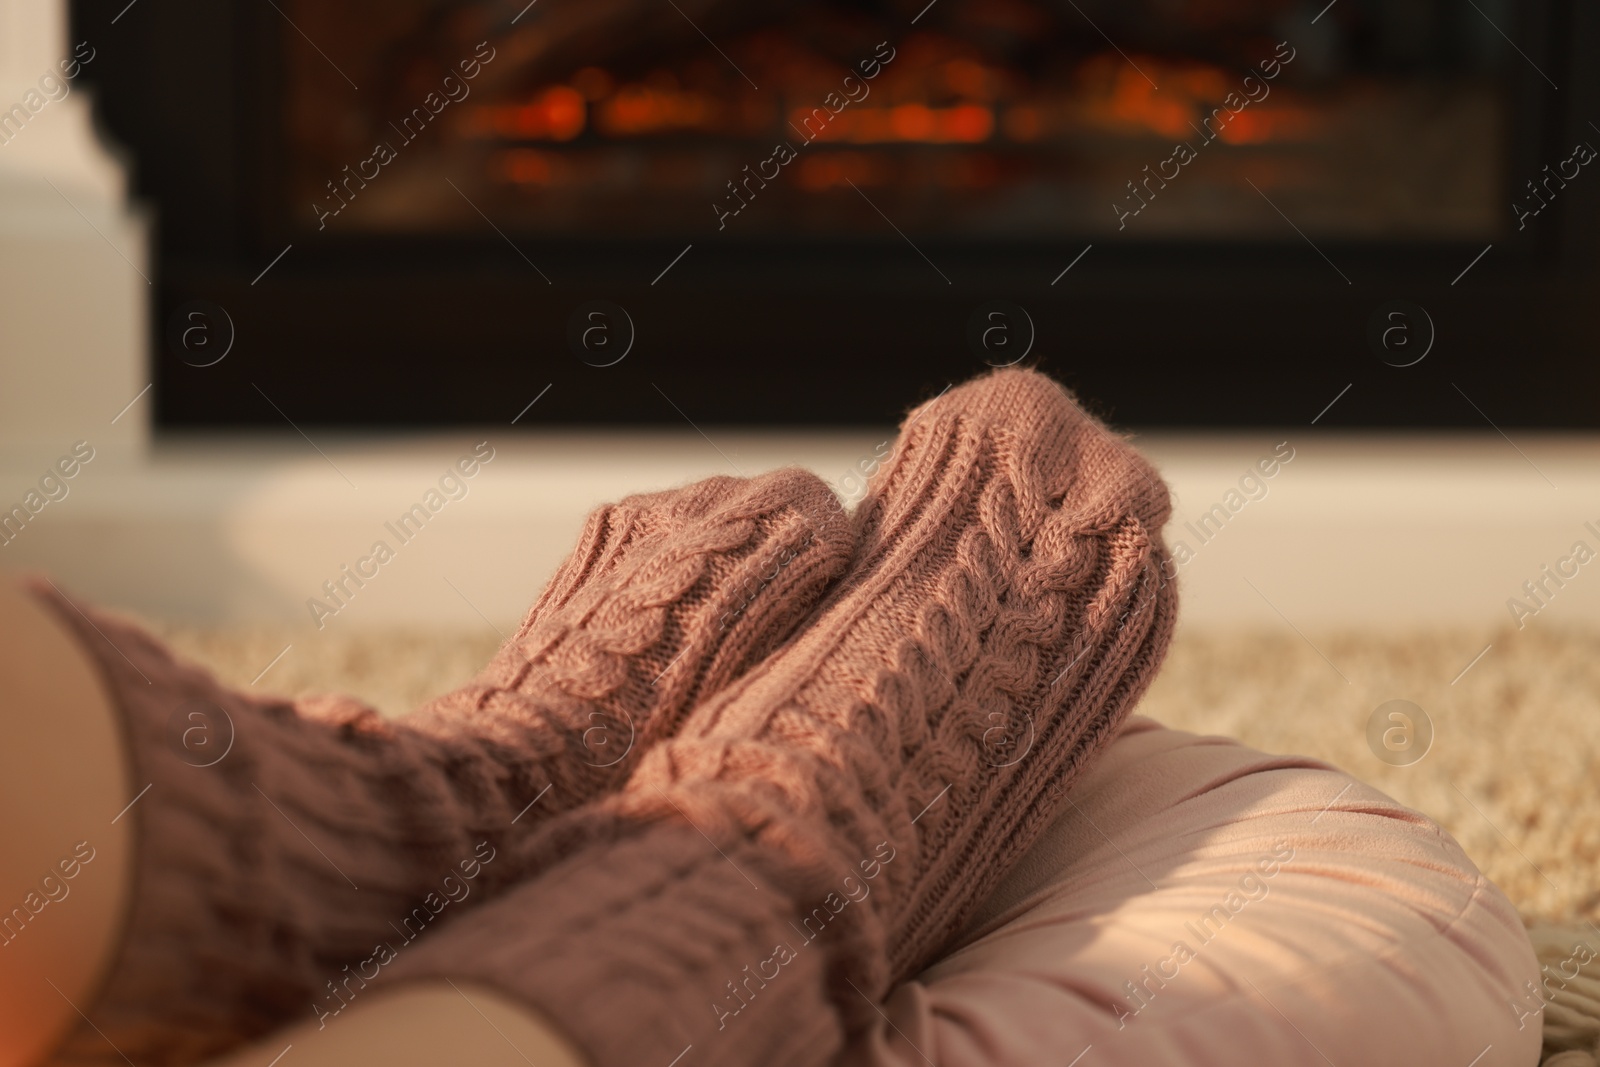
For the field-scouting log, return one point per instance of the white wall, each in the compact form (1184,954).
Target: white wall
(1374,531)
(74,260)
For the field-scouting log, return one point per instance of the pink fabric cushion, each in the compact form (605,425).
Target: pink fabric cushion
(1200,903)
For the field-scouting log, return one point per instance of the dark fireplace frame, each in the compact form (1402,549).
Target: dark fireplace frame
(366,333)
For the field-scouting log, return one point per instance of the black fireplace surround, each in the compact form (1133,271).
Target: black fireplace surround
(560,217)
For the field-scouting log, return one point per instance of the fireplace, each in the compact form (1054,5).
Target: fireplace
(1202,213)
(998,123)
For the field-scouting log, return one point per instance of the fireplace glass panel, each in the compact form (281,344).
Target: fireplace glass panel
(1014,120)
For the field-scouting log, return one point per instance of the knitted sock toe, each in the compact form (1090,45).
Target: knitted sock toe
(1008,606)
(278,841)
(1039,667)
(885,769)
(579,692)
(611,531)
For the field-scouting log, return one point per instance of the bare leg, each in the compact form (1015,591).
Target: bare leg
(419,1026)
(259,880)
(63,779)
(65,864)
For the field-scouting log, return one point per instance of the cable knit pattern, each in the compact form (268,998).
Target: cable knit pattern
(590,686)
(884,770)
(263,873)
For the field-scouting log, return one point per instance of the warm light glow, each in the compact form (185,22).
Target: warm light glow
(1264,122)
(911,122)
(594,83)
(559,113)
(525,166)
(1135,102)
(827,170)
(1024,123)
(953,101)
(962,124)
(642,109)
(969,122)
(1115,96)
(971,79)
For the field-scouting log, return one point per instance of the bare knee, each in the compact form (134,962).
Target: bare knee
(64,868)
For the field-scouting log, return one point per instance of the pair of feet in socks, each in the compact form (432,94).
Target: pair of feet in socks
(734,708)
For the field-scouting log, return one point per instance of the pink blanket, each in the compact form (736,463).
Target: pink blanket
(1200,904)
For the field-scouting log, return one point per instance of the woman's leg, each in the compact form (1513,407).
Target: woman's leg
(277,843)
(817,829)
(420,1025)
(1013,544)
(64,870)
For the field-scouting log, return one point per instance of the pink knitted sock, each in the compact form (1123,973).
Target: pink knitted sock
(862,790)
(667,598)
(271,857)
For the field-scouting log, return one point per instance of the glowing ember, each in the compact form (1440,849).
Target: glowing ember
(956,102)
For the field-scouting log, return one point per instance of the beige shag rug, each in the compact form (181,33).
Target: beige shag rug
(1516,740)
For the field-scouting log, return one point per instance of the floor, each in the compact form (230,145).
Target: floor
(1509,771)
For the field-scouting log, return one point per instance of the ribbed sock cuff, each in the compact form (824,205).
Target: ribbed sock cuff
(273,843)
(645,948)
